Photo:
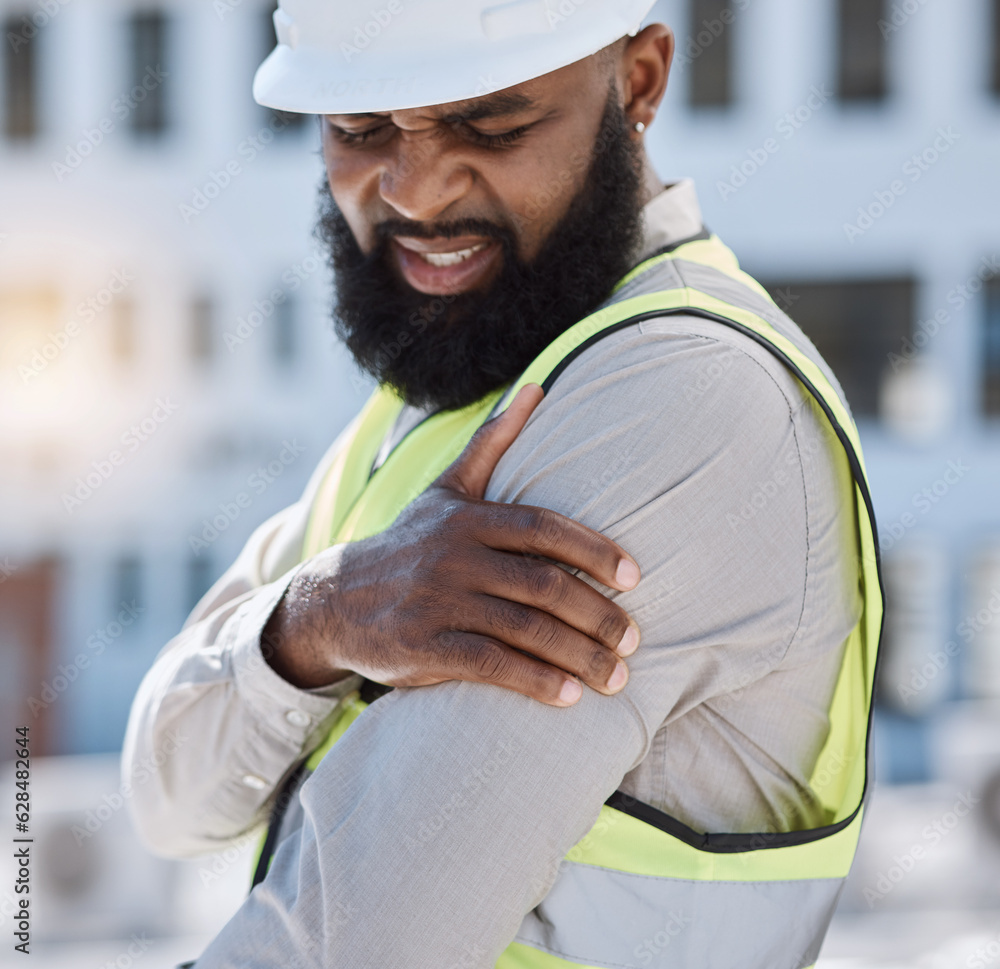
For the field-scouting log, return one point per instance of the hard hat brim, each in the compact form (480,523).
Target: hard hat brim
(311,80)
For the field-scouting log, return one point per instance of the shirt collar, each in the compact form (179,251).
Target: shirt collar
(667,218)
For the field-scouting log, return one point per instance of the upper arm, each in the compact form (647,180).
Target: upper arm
(683,448)
(442,815)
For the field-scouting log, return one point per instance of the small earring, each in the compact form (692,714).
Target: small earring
(639,126)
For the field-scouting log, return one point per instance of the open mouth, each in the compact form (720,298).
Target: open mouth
(452,258)
(441,266)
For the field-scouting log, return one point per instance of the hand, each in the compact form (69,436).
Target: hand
(454,590)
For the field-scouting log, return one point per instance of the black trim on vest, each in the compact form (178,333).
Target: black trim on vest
(620,801)
(281,803)
(717,843)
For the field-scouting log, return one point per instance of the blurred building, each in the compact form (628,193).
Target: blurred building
(168,378)
(167,375)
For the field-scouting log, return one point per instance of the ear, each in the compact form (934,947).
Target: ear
(646,65)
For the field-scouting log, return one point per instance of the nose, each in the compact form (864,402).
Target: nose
(423,177)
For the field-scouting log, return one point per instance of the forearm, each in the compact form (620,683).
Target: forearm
(214,729)
(431,829)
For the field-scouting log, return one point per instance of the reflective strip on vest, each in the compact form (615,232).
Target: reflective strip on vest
(641,889)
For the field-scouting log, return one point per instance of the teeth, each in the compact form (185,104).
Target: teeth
(451,258)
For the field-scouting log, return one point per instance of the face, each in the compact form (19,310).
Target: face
(465,237)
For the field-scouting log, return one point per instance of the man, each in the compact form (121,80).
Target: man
(688,429)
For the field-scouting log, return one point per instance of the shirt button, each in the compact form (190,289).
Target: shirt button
(297,718)
(252,780)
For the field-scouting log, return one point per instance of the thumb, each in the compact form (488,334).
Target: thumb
(471,470)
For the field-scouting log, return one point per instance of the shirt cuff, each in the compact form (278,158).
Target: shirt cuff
(296,716)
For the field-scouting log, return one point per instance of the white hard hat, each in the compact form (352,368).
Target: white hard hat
(349,56)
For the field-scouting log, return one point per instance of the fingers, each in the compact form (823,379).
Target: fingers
(470,472)
(547,587)
(554,642)
(480,659)
(539,531)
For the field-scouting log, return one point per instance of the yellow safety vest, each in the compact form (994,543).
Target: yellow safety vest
(641,888)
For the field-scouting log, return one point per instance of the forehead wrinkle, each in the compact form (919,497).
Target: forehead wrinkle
(495,105)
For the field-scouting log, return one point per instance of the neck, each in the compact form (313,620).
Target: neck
(651,184)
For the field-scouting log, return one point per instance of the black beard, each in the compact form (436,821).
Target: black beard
(444,352)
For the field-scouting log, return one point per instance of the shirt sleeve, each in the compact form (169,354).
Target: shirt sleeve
(213,729)
(439,820)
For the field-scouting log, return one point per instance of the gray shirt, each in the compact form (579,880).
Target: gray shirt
(440,819)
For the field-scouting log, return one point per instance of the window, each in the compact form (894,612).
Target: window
(128,584)
(278,120)
(978,627)
(861,50)
(20,52)
(28,320)
(707,53)
(991,349)
(202,339)
(917,600)
(284,331)
(123,330)
(855,325)
(147,69)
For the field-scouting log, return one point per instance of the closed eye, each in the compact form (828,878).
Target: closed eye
(502,139)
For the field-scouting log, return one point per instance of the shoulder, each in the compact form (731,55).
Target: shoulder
(650,406)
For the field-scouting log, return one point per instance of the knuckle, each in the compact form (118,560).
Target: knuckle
(542,528)
(601,664)
(611,627)
(489,660)
(546,583)
(539,630)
